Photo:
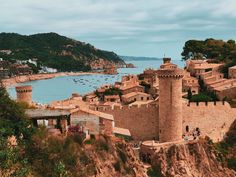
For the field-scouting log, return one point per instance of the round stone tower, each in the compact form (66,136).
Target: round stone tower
(170,102)
(24,94)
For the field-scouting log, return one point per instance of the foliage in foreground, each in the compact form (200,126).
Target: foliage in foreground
(13,122)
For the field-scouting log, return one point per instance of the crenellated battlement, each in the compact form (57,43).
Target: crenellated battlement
(170,73)
(209,104)
(170,76)
(24,93)
(124,107)
(23,89)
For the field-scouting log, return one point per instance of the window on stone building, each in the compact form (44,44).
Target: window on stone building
(142,98)
(187,128)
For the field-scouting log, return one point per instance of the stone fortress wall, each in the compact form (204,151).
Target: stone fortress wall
(141,121)
(212,118)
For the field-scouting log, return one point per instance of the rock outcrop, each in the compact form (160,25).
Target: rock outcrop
(120,161)
(196,159)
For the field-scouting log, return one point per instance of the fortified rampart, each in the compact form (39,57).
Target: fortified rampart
(212,118)
(142,121)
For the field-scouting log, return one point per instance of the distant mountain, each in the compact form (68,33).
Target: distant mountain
(53,50)
(128,58)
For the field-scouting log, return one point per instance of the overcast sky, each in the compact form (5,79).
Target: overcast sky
(127,27)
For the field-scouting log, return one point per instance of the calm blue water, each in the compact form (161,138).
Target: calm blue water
(46,91)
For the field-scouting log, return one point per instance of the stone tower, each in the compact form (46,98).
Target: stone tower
(170,101)
(24,94)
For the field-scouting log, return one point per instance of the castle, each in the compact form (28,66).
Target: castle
(167,118)
(170,116)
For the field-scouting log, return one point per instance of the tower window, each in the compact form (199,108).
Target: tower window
(187,128)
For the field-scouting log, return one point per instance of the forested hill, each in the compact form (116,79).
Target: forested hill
(54,51)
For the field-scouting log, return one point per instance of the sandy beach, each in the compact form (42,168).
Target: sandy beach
(26,78)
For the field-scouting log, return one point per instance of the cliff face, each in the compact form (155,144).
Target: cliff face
(121,161)
(189,160)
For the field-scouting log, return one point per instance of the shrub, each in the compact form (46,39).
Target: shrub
(60,170)
(117,166)
(78,139)
(232,163)
(102,144)
(122,155)
(84,159)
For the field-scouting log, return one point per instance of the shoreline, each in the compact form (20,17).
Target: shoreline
(27,78)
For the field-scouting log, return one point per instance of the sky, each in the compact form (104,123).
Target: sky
(151,28)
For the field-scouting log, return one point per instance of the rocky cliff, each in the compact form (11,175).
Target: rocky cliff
(196,159)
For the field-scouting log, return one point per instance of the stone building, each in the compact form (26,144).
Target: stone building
(170,107)
(112,98)
(94,121)
(196,67)
(149,76)
(92,98)
(24,93)
(190,83)
(135,96)
(232,72)
(4,73)
(19,69)
(130,84)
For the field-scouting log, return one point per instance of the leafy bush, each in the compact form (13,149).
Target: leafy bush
(113,91)
(102,144)
(232,163)
(122,155)
(117,166)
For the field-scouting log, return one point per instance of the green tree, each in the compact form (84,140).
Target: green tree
(189,94)
(13,122)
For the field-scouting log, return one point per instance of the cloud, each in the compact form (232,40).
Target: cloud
(126,27)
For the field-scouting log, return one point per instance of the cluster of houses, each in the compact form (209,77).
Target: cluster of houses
(15,67)
(8,69)
(225,88)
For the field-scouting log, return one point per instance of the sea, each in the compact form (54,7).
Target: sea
(59,88)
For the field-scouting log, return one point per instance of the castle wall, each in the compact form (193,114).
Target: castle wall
(142,121)
(213,119)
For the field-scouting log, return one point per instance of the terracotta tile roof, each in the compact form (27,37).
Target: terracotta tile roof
(132,94)
(121,131)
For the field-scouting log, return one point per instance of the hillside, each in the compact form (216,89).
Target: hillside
(53,50)
(221,51)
